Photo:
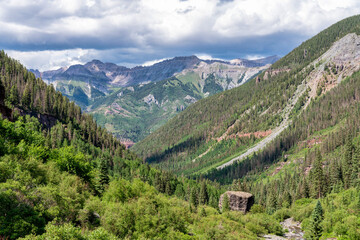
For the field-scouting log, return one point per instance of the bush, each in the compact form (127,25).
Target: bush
(59,232)
(257,208)
(282,214)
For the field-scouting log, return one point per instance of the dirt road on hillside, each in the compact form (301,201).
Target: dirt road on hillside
(276,132)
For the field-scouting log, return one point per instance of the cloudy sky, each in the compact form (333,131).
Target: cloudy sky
(47,34)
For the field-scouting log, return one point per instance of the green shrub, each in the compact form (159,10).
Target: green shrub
(257,208)
(282,214)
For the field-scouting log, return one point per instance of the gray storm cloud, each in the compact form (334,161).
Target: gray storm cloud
(133,32)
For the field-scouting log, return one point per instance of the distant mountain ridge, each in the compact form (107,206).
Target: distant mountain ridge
(123,76)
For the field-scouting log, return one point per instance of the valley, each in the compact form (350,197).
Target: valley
(185,148)
(132,103)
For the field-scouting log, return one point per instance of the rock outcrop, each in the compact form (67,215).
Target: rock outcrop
(238,201)
(273,72)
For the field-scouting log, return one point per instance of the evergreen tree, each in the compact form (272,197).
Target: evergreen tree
(194,197)
(26,98)
(225,205)
(104,174)
(202,212)
(179,191)
(14,95)
(347,164)
(213,201)
(317,175)
(287,199)
(315,229)
(168,188)
(355,167)
(203,195)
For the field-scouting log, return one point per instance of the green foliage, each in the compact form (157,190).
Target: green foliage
(315,228)
(18,218)
(317,176)
(225,205)
(104,174)
(52,193)
(194,197)
(72,162)
(203,195)
(282,214)
(257,208)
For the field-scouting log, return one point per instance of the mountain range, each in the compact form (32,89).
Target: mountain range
(133,102)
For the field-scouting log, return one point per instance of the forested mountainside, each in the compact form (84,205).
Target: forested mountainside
(64,177)
(145,98)
(314,156)
(243,120)
(318,156)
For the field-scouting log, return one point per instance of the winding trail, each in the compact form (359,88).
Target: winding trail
(284,124)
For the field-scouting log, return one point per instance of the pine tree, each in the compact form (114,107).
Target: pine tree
(194,197)
(213,201)
(14,95)
(203,195)
(104,174)
(287,199)
(179,191)
(225,205)
(318,175)
(315,229)
(168,190)
(202,212)
(26,97)
(358,203)
(347,164)
(355,167)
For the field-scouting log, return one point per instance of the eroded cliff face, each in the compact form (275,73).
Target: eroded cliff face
(46,120)
(238,201)
(339,62)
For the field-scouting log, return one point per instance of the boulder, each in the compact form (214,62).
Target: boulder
(238,201)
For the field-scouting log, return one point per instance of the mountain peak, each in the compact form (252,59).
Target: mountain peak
(95,61)
(192,57)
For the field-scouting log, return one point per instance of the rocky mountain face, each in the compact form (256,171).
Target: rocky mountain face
(143,108)
(256,62)
(121,76)
(133,102)
(97,71)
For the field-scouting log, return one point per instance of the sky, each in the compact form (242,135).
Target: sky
(48,34)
